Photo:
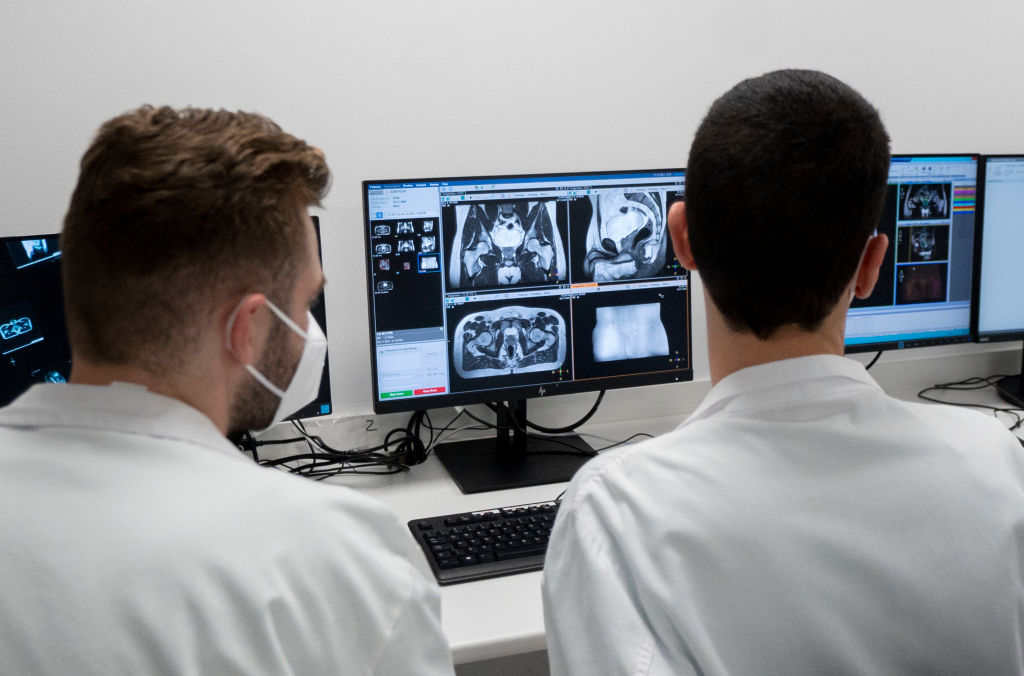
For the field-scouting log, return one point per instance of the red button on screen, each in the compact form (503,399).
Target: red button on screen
(429,390)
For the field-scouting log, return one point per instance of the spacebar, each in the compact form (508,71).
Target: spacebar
(520,553)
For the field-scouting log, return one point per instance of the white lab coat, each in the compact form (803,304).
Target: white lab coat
(799,522)
(137,540)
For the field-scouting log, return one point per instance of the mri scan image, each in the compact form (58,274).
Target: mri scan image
(629,332)
(627,238)
(506,243)
(509,340)
(428,243)
(405,227)
(406,245)
(927,200)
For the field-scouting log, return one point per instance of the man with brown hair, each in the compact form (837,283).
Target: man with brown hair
(137,538)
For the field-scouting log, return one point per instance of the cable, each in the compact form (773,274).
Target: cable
(568,428)
(975,383)
(872,362)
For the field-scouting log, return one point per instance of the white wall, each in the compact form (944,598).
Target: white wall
(407,88)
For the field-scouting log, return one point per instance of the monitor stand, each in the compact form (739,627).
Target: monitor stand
(513,460)
(1009,388)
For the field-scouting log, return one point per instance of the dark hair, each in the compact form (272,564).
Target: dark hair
(784,185)
(174,211)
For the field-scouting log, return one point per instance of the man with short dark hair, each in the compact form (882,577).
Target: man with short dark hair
(801,520)
(137,538)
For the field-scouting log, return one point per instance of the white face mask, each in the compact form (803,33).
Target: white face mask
(305,382)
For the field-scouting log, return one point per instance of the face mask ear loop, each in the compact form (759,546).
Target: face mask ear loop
(287,320)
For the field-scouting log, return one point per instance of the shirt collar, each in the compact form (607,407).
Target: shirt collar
(774,381)
(119,407)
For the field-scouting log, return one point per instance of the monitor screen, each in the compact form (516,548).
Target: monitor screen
(499,288)
(33,337)
(33,341)
(1000,306)
(923,295)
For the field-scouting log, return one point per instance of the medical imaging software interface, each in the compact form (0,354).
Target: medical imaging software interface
(1000,301)
(923,295)
(33,340)
(489,283)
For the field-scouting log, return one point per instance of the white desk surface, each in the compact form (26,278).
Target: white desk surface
(504,616)
(488,618)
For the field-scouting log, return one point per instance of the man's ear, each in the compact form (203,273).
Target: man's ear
(245,327)
(870,263)
(679,230)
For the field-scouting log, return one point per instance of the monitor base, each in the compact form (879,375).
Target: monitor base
(479,465)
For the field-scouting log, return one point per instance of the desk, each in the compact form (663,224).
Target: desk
(501,616)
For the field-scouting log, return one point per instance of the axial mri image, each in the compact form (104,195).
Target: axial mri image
(506,243)
(629,332)
(509,340)
(627,238)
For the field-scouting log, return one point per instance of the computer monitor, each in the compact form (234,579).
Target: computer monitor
(923,294)
(33,341)
(999,308)
(33,336)
(504,288)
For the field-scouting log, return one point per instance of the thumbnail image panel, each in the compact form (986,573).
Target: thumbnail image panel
(29,251)
(505,243)
(508,343)
(920,201)
(921,283)
(627,332)
(18,328)
(922,243)
(620,235)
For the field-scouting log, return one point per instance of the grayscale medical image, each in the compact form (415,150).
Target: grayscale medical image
(627,238)
(629,332)
(506,243)
(926,200)
(509,340)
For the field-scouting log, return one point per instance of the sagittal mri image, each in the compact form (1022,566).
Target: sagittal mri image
(506,243)
(629,332)
(509,340)
(924,200)
(627,237)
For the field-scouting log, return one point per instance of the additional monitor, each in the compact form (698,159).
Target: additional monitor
(923,294)
(33,336)
(999,309)
(501,288)
(322,404)
(33,340)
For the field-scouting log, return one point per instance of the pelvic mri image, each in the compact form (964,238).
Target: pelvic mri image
(506,243)
(627,238)
(629,332)
(921,201)
(509,340)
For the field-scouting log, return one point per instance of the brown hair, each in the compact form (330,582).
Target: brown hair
(173,212)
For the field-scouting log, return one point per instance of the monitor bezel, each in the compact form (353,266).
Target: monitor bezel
(520,392)
(931,342)
(976,334)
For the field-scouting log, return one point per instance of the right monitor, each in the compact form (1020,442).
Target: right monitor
(923,294)
(999,311)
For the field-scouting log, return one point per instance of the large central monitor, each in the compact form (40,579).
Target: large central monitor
(502,288)
(923,294)
(999,312)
